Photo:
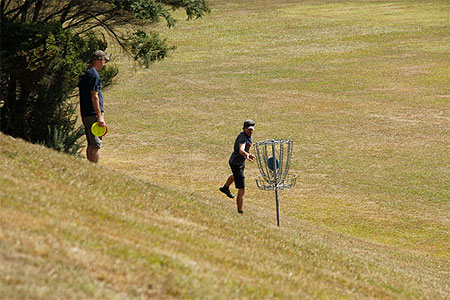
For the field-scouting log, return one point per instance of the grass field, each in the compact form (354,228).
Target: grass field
(362,87)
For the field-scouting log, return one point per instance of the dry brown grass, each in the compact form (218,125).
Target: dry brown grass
(362,89)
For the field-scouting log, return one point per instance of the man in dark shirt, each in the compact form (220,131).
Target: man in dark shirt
(241,152)
(91,104)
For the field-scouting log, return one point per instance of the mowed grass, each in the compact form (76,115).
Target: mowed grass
(70,230)
(361,87)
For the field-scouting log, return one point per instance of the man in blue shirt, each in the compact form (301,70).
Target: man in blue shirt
(241,152)
(91,104)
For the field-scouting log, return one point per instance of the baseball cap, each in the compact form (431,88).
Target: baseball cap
(99,54)
(249,124)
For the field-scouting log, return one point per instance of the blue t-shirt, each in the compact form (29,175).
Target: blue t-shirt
(90,81)
(236,159)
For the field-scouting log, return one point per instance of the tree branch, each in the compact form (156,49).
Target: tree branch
(25,7)
(53,15)
(37,10)
(66,12)
(12,11)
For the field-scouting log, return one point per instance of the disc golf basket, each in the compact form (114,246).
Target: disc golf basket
(274,157)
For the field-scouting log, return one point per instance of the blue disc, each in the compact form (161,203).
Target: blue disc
(270,163)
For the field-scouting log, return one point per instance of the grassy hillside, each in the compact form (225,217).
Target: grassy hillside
(70,230)
(362,89)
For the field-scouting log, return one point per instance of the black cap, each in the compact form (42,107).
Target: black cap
(249,124)
(99,55)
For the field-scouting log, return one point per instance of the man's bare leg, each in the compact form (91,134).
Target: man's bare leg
(229,181)
(93,154)
(240,200)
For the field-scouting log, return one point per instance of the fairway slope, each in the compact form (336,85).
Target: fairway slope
(72,230)
(361,87)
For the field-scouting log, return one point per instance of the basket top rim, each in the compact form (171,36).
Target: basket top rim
(274,141)
(288,174)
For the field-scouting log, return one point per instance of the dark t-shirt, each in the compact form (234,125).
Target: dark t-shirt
(90,81)
(236,159)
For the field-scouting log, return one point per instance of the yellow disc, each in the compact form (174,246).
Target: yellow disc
(98,130)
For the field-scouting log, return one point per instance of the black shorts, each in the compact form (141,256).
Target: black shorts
(238,174)
(92,140)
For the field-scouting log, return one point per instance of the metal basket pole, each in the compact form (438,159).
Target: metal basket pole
(275,175)
(274,169)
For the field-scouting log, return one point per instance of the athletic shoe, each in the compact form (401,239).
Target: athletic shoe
(226,191)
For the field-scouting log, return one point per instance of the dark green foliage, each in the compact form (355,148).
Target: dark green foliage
(107,74)
(45,47)
(147,48)
(64,137)
(195,9)
(146,10)
(39,73)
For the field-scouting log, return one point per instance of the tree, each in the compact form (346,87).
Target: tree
(45,45)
